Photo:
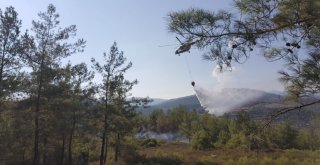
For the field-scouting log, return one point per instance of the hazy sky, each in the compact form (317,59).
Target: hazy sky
(139,27)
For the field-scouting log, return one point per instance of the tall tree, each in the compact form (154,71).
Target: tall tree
(68,93)
(123,117)
(114,64)
(113,87)
(49,45)
(9,51)
(79,76)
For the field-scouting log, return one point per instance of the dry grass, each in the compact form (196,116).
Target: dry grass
(231,156)
(178,153)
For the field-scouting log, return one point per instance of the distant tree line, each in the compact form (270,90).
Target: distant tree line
(206,131)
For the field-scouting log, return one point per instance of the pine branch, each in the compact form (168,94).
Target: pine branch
(286,110)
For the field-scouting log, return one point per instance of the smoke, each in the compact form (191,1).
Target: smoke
(226,96)
(170,136)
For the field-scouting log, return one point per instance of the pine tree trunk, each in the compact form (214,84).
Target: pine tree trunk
(2,66)
(117,148)
(36,135)
(71,137)
(45,154)
(36,159)
(106,135)
(103,144)
(102,149)
(62,150)
(106,149)
(70,149)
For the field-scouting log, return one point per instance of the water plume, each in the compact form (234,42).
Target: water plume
(227,99)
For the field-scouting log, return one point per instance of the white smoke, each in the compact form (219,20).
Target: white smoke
(225,97)
(169,136)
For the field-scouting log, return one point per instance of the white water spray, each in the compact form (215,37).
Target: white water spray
(225,98)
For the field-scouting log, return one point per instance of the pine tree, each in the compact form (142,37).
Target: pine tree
(114,91)
(49,45)
(114,65)
(10,63)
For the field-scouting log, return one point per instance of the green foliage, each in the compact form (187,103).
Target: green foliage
(287,136)
(207,131)
(118,116)
(10,50)
(201,140)
(48,79)
(188,125)
(308,139)
(150,143)
(172,121)
(238,140)
(223,138)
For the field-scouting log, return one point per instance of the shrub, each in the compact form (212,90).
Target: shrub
(237,141)
(201,140)
(150,143)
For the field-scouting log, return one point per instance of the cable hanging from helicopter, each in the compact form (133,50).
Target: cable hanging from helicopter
(185,47)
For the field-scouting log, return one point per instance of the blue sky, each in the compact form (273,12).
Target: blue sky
(139,27)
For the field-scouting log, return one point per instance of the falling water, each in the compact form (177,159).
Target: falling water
(226,100)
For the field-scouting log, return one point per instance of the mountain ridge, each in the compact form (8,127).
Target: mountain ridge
(260,105)
(233,94)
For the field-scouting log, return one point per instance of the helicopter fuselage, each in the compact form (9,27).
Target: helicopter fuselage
(184,48)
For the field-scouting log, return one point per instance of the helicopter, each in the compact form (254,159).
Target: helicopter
(185,47)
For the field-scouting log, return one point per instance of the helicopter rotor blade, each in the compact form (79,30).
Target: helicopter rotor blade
(168,45)
(179,40)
